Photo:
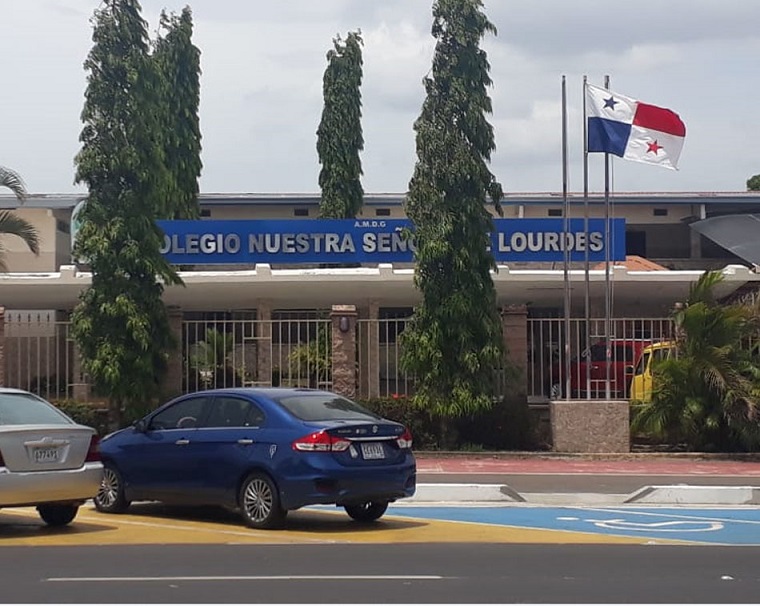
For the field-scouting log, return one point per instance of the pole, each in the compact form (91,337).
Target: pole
(607,289)
(565,241)
(586,277)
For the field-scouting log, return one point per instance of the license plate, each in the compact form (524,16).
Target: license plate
(373,450)
(46,455)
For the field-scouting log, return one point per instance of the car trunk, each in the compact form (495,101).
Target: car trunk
(371,444)
(29,448)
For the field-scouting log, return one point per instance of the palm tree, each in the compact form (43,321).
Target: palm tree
(11,223)
(708,396)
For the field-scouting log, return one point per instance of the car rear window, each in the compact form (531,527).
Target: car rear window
(322,407)
(23,409)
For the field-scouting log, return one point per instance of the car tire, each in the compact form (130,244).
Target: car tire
(367,512)
(260,502)
(57,515)
(110,497)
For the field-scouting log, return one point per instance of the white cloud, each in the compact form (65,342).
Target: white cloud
(262,72)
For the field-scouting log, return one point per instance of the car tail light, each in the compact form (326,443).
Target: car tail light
(405,439)
(321,441)
(93,452)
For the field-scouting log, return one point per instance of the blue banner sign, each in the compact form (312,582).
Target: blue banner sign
(247,242)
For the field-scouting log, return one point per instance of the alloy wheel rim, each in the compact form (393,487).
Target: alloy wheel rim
(109,488)
(258,500)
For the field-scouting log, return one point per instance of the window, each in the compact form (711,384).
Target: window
(234,412)
(643,363)
(636,243)
(301,212)
(383,212)
(660,212)
(62,226)
(619,353)
(23,409)
(182,415)
(319,407)
(554,212)
(206,212)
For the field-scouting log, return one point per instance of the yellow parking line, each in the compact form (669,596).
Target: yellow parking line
(153,524)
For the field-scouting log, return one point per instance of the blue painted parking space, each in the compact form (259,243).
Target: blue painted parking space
(719,526)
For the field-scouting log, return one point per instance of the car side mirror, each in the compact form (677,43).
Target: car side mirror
(141,426)
(629,369)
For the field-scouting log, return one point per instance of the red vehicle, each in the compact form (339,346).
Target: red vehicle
(624,353)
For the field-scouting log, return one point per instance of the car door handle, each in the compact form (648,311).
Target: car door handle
(182,442)
(245,442)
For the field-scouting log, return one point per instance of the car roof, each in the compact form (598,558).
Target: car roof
(13,390)
(267,392)
(661,345)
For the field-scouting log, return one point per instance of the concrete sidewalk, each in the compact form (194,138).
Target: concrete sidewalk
(610,479)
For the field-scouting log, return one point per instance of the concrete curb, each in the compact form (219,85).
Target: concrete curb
(480,493)
(680,494)
(683,494)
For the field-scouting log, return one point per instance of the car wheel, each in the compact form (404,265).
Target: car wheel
(110,497)
(260,502)
(367,512)
(57,515)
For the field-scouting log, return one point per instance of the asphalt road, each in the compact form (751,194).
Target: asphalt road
(420,573)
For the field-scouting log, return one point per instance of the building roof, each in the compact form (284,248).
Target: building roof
(636,263)
(68,201)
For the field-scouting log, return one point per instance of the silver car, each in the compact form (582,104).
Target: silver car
(46,459)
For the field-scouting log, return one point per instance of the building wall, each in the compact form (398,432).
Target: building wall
(663,232)
(54,244)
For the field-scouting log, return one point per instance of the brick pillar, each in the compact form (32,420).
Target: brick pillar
(171,384)
(369,352)
(264,343)
(2,346)
(514,322)
(343,321)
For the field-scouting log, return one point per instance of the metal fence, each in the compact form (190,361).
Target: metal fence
(293,352)
(378,349)
(547,378)
(39,354)
(295,349)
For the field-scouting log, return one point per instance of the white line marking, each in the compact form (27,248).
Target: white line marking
(671,515)
(305,577)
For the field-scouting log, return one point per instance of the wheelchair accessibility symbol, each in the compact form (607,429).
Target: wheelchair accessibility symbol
(670,526)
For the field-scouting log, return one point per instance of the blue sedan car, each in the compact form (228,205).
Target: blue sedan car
(262,451)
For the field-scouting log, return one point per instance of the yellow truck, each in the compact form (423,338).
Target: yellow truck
(641,384)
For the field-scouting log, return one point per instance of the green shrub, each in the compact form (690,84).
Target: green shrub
(85,413)
(401,411)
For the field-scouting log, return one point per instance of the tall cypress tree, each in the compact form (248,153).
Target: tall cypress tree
(339,136)
(453,343)
(178,61)
(120,323)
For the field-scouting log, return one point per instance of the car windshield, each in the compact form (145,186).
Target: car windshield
(26,409)
(325,407)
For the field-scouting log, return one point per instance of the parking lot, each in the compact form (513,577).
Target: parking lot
(156,524)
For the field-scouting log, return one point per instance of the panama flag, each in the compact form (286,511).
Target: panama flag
(633,130)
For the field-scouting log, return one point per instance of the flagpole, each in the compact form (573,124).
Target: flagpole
(607,290)
(565,247)
(586,278)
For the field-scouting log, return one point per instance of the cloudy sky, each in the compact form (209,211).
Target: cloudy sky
(261,94)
